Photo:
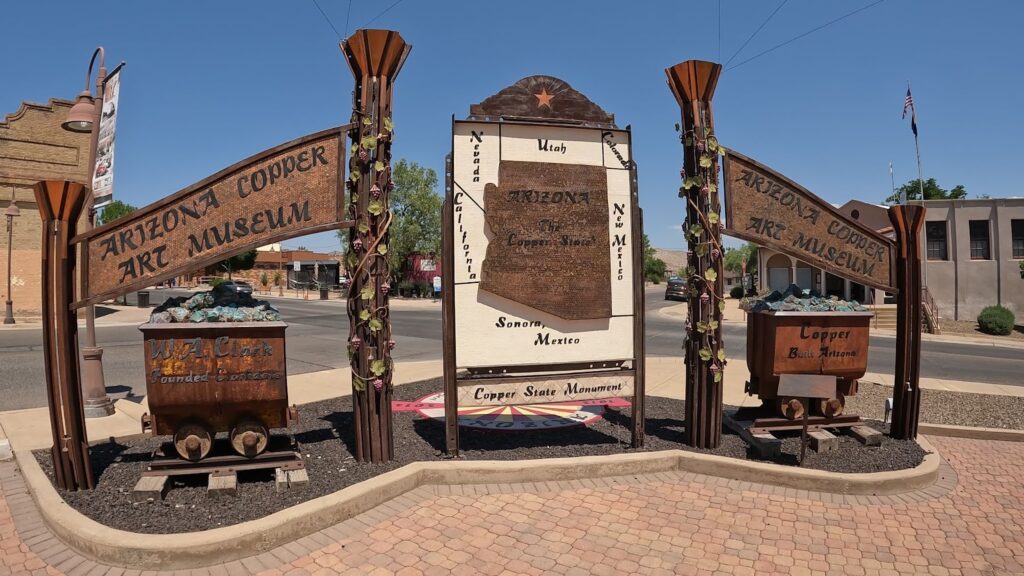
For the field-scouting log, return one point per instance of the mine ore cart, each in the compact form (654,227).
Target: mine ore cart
(830,343)
(205,378)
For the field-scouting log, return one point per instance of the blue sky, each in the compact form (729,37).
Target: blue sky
(209,83)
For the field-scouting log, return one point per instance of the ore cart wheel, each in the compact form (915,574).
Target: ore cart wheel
(192,441)
(791,408)
(831,407)
(249,438)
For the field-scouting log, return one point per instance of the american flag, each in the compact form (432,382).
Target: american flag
(908,102)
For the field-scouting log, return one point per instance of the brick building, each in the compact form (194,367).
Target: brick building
(273,259)
(33,147)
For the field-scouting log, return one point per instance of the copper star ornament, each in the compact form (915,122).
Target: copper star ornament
(544,99)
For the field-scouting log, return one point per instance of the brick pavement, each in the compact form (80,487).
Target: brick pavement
(970,523)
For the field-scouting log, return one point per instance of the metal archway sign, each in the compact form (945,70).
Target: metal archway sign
(289,190)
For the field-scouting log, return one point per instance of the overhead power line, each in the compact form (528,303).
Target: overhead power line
(383,12)
(348,16)
(809,32)
(719,30)
(328,20)
(759,28)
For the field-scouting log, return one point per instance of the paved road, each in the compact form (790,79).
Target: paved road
(317,332)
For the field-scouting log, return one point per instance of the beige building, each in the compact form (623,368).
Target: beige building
(975,249)
(33,147)
(974,253)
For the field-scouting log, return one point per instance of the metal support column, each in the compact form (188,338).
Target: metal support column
(60,204)
(375,58)
(907,221)
(693,83)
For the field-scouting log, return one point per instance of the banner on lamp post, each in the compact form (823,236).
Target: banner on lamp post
(103,170)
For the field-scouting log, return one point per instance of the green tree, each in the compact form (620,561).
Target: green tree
(932,191)
(734,258)
(654,267)
(343,240)
(113,211)
(416,207)
(243,261)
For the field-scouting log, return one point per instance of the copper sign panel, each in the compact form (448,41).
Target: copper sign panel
(767,208)
(291,190)
(550,246)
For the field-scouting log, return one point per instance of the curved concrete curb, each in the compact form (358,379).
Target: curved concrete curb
(873,483)
(1003,434)
(199,549)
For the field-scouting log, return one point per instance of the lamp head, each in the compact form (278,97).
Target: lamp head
(80,117)
(12,210)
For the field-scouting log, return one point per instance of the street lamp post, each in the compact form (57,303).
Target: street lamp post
(11,213)
(84,116)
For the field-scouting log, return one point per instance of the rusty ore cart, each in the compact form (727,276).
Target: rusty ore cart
(205,378)
(830,343)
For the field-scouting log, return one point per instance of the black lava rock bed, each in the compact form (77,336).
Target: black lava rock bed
(325,436)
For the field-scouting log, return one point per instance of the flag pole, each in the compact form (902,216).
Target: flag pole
(900,199)
(920,181)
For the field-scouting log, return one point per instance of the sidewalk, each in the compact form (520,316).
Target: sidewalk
(732,312)
(978,340)
(107,315)
(30,428)
(132,315)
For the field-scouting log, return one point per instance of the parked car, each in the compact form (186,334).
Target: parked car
(238,286)
(675,289)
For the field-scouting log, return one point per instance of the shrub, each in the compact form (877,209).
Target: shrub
(996,320)
(736,292)
(405,288)
(214,282)
(264,279)
(423,289)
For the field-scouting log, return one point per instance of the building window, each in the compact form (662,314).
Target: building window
(1017,231)
(935,234)
(979,240)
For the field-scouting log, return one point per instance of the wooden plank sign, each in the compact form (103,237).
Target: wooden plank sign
(819,342)
(807,385)
(545,389)
(289,190)
(767,208)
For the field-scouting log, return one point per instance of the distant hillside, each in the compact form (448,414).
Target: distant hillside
(674,260)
